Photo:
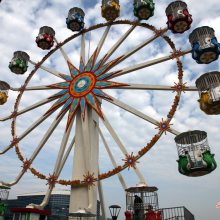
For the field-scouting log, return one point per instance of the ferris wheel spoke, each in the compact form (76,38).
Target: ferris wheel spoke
(101,42)
(120,145)
(120,177)
(117,44)
(148,63)
(66,155)
(138,113)
(65,56)
(140,46)
(28,131)
(57,169)
(82,53)
(91,64)
(31,88)
(45,201)
(101,197)
(49,70)
(153,87)
(65,139)
(37,150)
(34,106)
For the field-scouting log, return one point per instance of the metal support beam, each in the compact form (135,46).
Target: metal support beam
(121,146)
(117,44)
(154,87)
(120,177)
(101,42)
(33,88)
(138,113)
(29,108)
(57,168)
(29,130)
(65,56)
(37,150)
(147,64)
(102,201)
(47,69)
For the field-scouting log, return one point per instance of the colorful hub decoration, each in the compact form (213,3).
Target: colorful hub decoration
(4,87)
(179,19)
(75,19)
(143,9)
(110,9)
(45,38)
(195,158)
(83,87)
(18,64)
(205,47)
(209,91)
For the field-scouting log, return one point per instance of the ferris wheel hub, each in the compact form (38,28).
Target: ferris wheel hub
(82,84)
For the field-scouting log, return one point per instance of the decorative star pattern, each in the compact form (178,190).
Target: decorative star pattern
(130,161)
(83,86)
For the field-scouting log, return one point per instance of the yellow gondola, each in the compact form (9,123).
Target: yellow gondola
(110,9)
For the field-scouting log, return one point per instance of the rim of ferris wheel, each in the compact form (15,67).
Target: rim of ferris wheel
(45,38)
(175,55)
(110,9)
(144,9)
(142,189)
(2,186)
(205,46)
(75,19)
(18,64)
(195,157)
(208,86)
(179,18)
(144,150)
(4,87)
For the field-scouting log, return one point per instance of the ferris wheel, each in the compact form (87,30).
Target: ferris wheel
(76,99)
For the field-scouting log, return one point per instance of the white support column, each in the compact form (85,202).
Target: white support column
(102,201)
(66,156)
(85,160)
(57,168)
(120,177)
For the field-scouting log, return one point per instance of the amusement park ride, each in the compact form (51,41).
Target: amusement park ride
(82,91)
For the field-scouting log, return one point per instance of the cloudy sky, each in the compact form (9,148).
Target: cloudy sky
(20,21)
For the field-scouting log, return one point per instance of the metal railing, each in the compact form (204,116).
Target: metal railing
(177,213)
